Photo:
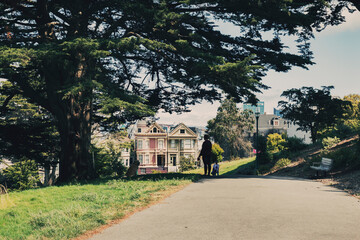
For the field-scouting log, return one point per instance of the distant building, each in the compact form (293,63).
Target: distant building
(293,132)
(260,107)
(160,150)
(270,123)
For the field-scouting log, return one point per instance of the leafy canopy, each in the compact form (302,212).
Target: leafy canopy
(312,109)
(168,52)
(230,128)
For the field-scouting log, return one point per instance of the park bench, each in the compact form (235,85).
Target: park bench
(325,166)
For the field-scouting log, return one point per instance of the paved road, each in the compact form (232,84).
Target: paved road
(246,208)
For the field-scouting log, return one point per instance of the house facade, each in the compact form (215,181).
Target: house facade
(270,123)
(159,149)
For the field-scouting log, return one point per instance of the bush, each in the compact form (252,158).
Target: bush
(283,162)
(330,142)
(343,158)
(186,163)
(264,156)
(217,152)
(275,143)
(22,175)
(107,163)
(294,144)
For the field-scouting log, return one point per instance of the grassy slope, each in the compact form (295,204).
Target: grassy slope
(229,167)
(65,212)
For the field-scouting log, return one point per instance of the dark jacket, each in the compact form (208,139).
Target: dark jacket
(206,148)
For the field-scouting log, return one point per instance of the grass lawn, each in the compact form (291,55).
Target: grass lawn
(231,167)
(64,212)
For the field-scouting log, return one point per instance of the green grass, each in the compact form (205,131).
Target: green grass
(231,167)
(64,212)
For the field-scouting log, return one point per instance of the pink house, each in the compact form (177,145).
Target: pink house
(160,150)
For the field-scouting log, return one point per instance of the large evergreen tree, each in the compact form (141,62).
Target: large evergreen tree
(312,109)
(230,128)
(126,59)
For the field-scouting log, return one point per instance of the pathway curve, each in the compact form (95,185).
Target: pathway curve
(246,208)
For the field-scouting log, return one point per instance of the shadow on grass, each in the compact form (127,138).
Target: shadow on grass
(149,177)
(246,169)
(166,176)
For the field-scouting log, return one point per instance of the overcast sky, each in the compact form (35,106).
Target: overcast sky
(336,53)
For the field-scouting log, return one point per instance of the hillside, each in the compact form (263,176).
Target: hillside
(342,176)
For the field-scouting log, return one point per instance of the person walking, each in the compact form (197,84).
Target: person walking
(206,154)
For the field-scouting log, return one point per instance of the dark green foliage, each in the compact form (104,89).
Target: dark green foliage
(230,128)
(312,109)
(294,144)
(22,175)
(107,163)
(344,158)
(264,156)
(186,163)
(110,61)
(349,123)
(26,130)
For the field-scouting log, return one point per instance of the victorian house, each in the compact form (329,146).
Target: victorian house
(159,149)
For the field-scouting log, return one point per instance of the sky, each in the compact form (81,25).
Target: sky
(336,52)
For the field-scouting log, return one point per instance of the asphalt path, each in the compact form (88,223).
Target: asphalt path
(245,207)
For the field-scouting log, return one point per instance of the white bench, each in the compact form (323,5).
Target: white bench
(325,166)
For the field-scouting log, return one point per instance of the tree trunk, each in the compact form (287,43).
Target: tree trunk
(75,134)
(313,133)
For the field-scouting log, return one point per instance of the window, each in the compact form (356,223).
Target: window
(146,159)
(139,130)
(143,170)
(276,122)
(140,144)
(172,144)
(181,143)
(147,144)
(187,143)
(161,144)
(155,130)
(127,162)
(182,131)
(140,158)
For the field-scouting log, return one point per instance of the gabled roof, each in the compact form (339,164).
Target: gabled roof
(153,125)
(181,125)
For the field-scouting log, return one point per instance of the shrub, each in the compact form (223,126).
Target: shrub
(108,163)
(343,158)
(217,152)
(264,156)
(330,142)
(186,163)
(283,162)
(22,175)
(294,144)
(275,143)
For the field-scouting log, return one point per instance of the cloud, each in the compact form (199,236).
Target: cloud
(351,24)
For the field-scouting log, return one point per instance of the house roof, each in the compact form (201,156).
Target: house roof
(153,125)
(181,125)
(266,121)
